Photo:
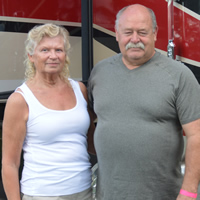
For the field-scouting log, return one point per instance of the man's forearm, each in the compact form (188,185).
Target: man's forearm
(192,164)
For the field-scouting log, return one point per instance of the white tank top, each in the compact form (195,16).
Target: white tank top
(56,161)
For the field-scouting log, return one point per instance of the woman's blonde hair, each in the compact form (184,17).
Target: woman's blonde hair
(35,35)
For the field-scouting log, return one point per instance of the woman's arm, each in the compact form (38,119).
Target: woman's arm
(14,131)
(90,135)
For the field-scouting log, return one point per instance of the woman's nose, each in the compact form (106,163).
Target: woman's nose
(53,54)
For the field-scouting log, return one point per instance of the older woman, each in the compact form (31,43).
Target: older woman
(47,117)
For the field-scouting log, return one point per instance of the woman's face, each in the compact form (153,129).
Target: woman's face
(49,55)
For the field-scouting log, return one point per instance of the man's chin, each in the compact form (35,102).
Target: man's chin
(136,55)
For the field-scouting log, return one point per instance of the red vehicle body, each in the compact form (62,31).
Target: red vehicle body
(19,16)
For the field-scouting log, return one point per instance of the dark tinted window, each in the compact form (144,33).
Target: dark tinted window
(193,5)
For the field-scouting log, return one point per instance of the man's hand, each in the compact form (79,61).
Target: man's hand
(183,197)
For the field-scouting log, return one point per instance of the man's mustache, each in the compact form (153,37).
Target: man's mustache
(137,45)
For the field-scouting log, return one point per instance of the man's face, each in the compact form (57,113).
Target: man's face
(135,29)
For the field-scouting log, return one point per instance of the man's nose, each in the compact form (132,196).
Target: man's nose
(135,37)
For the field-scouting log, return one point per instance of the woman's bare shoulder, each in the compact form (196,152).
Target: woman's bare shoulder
(83,90)
(16,104)
(16,98)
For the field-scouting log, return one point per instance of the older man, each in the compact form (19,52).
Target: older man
(143,101)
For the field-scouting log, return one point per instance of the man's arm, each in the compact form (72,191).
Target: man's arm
(192,159)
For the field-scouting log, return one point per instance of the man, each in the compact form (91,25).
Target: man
(143,100)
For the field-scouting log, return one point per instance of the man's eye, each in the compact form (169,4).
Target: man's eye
(59,50)
(44,50)
(127,33)
(142,33)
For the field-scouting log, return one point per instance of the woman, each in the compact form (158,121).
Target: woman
(47,117)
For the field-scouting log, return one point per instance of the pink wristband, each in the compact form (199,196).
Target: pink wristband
(188,194)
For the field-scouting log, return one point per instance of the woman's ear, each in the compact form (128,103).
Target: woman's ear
(30,57)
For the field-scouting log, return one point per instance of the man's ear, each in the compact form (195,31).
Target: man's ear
(116,34)
(155,33)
